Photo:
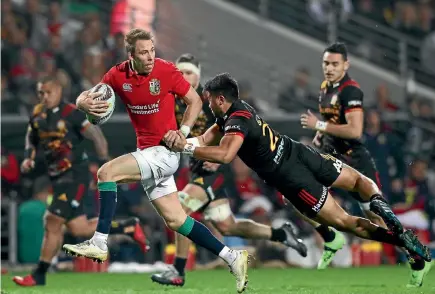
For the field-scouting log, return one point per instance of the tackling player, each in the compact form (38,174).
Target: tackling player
(147,86)
(58,128)
(339,134)
(206,192)
(299,172)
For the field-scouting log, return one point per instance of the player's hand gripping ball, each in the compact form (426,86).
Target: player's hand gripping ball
(98,103)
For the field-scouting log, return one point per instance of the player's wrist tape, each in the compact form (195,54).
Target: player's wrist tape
(190,146)
(185,130)
(29,153)
(321,125)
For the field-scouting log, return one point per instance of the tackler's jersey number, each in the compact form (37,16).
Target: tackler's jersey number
(263,147)
(268,132)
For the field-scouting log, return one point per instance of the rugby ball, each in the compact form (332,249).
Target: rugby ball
(109,96)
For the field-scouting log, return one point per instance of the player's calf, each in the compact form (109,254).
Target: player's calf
(352,180)
(50,247)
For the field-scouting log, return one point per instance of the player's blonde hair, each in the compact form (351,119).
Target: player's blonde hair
(136,34)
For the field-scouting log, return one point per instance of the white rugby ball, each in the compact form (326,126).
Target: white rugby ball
(109,96)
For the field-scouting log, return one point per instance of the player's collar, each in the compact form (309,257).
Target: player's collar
(340,82)
(232,109)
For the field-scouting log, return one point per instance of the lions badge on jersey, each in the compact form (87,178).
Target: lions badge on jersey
(154,87)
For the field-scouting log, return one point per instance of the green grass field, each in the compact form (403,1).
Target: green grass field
(382,280)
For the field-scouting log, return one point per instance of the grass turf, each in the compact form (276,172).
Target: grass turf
(379,280)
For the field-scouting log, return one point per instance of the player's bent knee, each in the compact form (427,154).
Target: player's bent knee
(218,213)
(105,173)
(190,204)
(174,222)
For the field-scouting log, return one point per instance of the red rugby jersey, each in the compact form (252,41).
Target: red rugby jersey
(149,99)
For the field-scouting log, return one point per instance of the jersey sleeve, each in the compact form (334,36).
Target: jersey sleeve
(237,125)
(179,84)
(78,120)
(352,98)
(108,78)
(33,133)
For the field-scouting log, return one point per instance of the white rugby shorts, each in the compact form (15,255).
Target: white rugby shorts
(157,165)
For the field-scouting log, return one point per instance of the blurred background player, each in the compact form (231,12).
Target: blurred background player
(339,134)
(148,85)
(58,129)
(206,191)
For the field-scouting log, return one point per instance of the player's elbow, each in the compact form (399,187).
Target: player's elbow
(355,132)
(227,158)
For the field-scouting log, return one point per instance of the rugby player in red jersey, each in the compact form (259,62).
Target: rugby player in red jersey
(147,86)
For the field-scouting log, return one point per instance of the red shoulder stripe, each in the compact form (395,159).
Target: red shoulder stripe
(68,109)
(348,83)
(242,113)
(235,133)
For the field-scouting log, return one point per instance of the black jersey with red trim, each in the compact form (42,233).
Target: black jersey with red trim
(58,132)
(263,149)
(335,101)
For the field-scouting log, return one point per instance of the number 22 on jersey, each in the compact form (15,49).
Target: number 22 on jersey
(268,132)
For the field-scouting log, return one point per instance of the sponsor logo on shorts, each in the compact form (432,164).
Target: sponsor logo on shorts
(62,197)
(321,201)
(279,152)
(355,103)
(75,203)
(199,180)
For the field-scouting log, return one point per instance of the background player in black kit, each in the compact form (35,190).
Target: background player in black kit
(206,192)
(58,128)
(339,134)
(299,172)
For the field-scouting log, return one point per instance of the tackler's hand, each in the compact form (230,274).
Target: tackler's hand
(170,138)
(309,120)
(180,142)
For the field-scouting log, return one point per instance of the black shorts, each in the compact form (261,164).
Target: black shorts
(69,192)
(304,178)
(361,160)
(212,183)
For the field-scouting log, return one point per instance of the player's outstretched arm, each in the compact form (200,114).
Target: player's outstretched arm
(95,134)
(211,137)
(194,107)
(351,130)
(223,153)
(29,150)
(352,102)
